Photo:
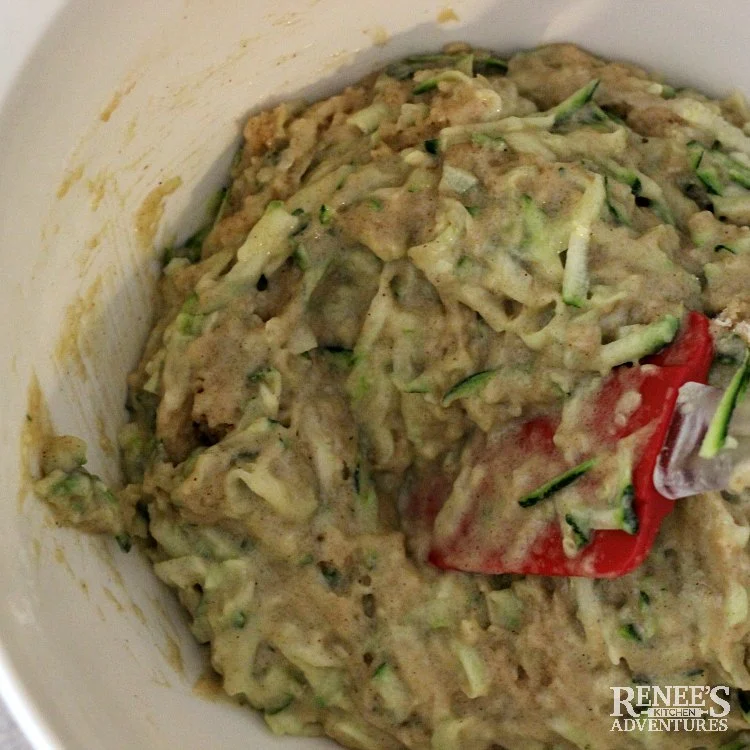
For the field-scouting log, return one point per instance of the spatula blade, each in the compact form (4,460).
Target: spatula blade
(680,471)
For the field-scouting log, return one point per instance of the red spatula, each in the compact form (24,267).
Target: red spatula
(466,538)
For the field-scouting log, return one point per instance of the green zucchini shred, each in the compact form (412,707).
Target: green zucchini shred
(325,214)
(630,522)
(637,344)
(557,483)
(468,386)
(581,536)
(429,84)
(718,428)
(124,541)
(574,102)
(630,632)
(489,64)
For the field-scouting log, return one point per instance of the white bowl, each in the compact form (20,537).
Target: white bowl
(102,102)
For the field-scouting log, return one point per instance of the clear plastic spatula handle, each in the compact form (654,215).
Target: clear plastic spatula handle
(680,471)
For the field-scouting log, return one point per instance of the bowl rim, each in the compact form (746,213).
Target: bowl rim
(24,28)
(23,708)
